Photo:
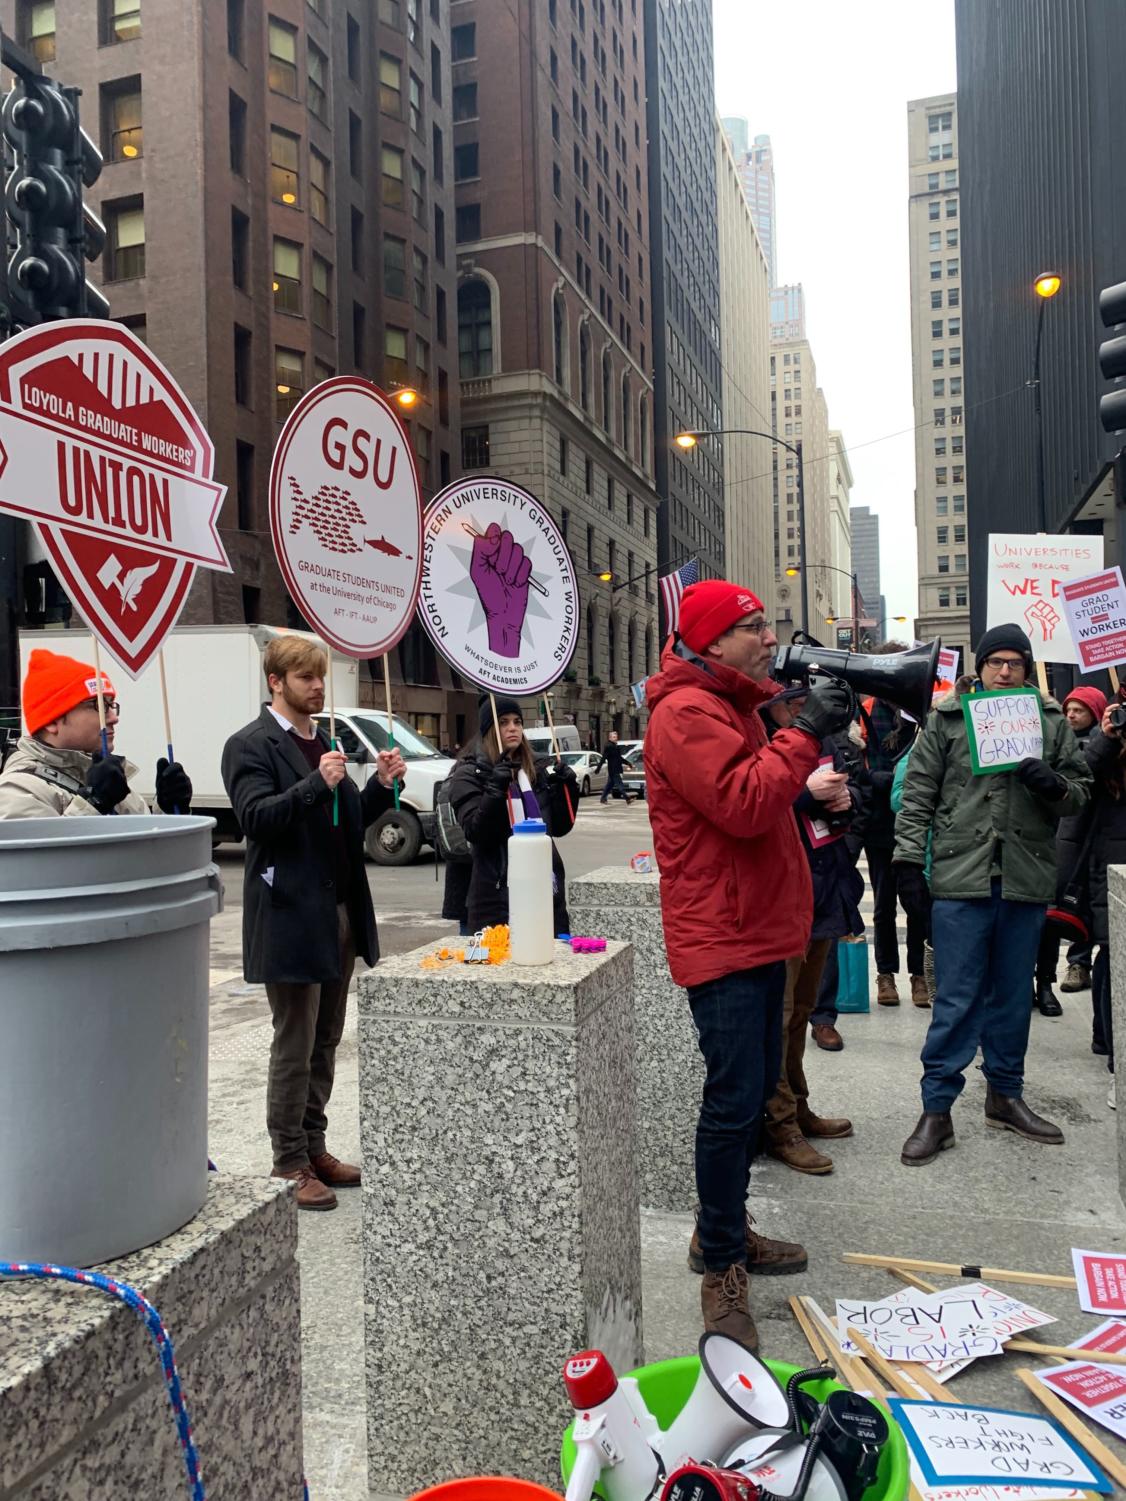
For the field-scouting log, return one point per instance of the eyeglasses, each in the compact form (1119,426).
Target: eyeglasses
(113,706)
(751,629)
(995,664)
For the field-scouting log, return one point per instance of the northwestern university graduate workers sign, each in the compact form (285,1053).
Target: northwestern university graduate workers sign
(500,596)
(102,450)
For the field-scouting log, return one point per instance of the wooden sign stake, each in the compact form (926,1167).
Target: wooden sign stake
(167,715)
(1079,1431)
(390,721)
(332,736)
(101,695)
(952,1269)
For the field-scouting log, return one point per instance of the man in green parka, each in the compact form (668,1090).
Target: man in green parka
(993,874)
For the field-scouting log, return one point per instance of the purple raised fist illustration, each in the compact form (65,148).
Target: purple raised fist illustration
(500,571)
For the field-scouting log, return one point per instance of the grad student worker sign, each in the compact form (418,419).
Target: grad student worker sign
(1004,727)
(345,514)
(499,596)
(1095,610)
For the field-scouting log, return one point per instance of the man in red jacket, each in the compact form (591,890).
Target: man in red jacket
(736,902)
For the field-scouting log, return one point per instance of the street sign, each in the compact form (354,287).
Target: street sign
(346,516)
(101,449)
(500,596)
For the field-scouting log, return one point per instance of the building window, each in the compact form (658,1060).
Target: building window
(395,366)
(944,562)
(938,387)
(474,329)
(959,562)
(936,270)
(588,475)
(242,366)
(944,599)
(956,355)
(936,299)
(415,101)
(463,42)
(584,365)
(422,363)
(355,146)
(126,226)
(955,385)
(418,192)
(236,130)
(318,186)
(951,238)
(235,28)
(122,130)
(394,266)
(932,182)
(352,49)
(959,505)
(940,505)
(467,161)
(390,85)
(440,313)
(936,328)
(318,83)
(244,485)
(475,447)
(439,236)
(954,327)
(285,179)
(961,597)
(467,222)
(422,453)
(240,249)
(121,21)
(359,330)
(627,429)
(289,381)
(942,536)
(281,70)
(420,265)
(959,474)
(393,177)
(952,208)
(940,448)
(936,240)
(559,338)
(933,210)
(357,241)
(562,455)
(938,359)
(940,475)
(287,277)
(36,28)
(322,293)
(957,443)
(960,532)
(443,397)
(435,74)
(464,101)
(952,268)
(607,391)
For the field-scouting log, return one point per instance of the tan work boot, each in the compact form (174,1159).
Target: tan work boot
(765,1257)
(886,993)
(920,991)
(311,1192)
(723,1301)
(824,1126)
(796,1152)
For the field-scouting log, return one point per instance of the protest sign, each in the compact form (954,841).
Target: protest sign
(1095,611)
(345,516)
(1097,1391)
(1109,1337)
(989,1492)
(946,673)
(1101,1279)
(500,596)
(101,449)
(1004,726)
(960,1445)
(928,1327)
(1023,580)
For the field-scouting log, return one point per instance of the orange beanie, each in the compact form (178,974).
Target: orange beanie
(56,684)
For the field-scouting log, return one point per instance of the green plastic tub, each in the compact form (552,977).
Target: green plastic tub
(667,1385)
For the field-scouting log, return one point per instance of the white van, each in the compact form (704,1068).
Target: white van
(566,739)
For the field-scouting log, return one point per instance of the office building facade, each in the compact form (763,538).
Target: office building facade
(755,164)
(800,414)
(864,525)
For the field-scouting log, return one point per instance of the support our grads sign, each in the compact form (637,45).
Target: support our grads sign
(1004,727)
(1023,582)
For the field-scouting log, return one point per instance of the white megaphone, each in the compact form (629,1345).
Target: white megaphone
(773,1461)
(735,1395)
(611,1447)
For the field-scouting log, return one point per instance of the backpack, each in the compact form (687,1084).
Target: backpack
(451,838)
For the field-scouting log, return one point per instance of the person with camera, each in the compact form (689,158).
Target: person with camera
(736,902)
(993,873)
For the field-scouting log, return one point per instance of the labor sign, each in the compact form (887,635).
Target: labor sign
(500,597)
(346,516)
(101,449)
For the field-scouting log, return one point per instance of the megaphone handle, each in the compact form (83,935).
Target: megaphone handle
(584,1477)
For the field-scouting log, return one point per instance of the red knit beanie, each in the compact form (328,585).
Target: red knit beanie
(711,607)
(1090,697)
(54,685)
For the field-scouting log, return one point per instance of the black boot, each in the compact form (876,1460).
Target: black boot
(933,1134)
(1010,1113)
(1044,999)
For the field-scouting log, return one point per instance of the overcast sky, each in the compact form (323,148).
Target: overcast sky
(829,83)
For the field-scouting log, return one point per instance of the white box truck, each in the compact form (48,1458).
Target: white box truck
(215,686)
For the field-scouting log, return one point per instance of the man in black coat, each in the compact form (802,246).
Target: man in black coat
(613,757)
(307,909)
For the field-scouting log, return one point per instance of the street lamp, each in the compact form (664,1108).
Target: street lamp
(1046,285)
(689,439)
(406,397)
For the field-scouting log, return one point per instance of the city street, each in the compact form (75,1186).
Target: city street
(995,1200)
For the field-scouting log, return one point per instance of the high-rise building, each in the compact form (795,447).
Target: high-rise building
(787,312)
(840,528)
(800,415)
(865,527)
(683,242)
(755,164)
(1043,181)
(735,128)
(934,228)
(553,308)
(744,302)
(278,196)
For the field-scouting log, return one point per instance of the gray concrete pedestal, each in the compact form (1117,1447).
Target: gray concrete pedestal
(500,1210)
(1116,879)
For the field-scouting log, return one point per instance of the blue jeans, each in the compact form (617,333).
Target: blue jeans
(984,958)
(614,786)
(825,1011)
(738,1020)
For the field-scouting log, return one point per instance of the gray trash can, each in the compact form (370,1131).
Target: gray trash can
(104,927)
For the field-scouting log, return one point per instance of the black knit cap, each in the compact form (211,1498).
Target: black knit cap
(1004,638)
(504,706)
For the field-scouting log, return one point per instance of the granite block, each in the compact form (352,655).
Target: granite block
(1116,893)
(616,902)
(500,1213)
(83,1409)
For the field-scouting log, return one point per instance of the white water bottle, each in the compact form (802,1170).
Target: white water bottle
(531,899)
(611,1447)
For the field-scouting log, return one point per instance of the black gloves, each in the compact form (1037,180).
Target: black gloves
(827,709)
(105,783)
(173,787)
(500,778)
(911,884)
(1039,778)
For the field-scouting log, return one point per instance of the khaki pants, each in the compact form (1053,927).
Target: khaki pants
(791,1098)
(308,1025)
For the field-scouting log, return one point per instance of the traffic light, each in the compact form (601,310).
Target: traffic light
(1112,357)
(56,233)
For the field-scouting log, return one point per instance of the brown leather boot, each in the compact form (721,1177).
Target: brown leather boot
(765,1257)
(825,1126)
(336,1174)
(826,1036)
(1010,1113)
(933,1133)
(920,991)
(886,993)
(796,1152)
(723,1301)
(311,1192)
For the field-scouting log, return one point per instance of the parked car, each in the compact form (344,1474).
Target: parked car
(633,771)
(589,767)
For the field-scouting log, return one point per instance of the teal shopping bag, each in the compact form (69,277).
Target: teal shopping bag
(852,988)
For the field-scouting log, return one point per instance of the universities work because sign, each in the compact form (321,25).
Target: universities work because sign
(1095,611)
(500,597)
(1004,725)
(102,451)
(1023,582)
(346,517)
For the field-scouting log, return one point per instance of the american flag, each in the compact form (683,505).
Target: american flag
(673,586)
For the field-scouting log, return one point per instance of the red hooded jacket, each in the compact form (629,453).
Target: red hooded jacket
(735,884)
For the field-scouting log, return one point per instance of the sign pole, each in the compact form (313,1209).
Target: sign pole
(500,752)
(167,715)
(1113,674)
(332,735)
(101,696)
(555,752)
(1042,678)
(390,720)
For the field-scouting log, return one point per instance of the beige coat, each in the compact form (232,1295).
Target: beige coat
(25,792)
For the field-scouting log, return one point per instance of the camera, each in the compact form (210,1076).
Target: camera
(1118,717)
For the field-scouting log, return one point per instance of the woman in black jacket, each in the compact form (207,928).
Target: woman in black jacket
(1106,756)
(494,786)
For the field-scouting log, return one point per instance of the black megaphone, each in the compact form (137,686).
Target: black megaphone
(905,678)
